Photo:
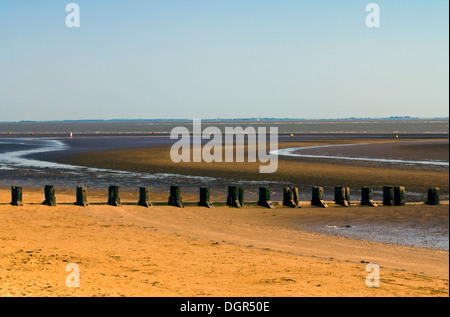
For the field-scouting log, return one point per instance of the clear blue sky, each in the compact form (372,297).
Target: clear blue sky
(223,59)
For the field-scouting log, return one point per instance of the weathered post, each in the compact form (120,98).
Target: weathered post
(144,197)
(295,196)
(388,196)
(291,197)
(433,196)
(347,195)
(317,197)
(16,196)
(175,197)
(49,192)
(205,197)
(82,197)
(113,196)
(367,197)
(233,198)
(399,195)
(241,196)
(264,198)
(341,196)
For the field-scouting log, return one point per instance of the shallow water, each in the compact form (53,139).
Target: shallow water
(405,234)
(297,152)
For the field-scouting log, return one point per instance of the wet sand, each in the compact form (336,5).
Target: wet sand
(166,251)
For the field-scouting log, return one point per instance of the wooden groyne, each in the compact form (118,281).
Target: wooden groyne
(392,196)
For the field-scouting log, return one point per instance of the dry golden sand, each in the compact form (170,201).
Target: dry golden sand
(166,251)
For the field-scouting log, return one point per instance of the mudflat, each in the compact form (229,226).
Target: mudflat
(303,172)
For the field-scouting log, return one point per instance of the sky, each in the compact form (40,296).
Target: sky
(173,59)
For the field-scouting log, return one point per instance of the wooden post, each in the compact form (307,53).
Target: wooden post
(264,198)
(49,192)
(317,197)
(205,197)
(288,197)
(388,196)
(82,197)
(340,196)
(234,195)
(241,196)
(399,195)
(16,196)
(296,196)
(113,196)
(175,197)
(433,196)
(367,197)
(291,197)
(347,195)
(144,197)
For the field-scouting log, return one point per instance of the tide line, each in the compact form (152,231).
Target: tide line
(292,152)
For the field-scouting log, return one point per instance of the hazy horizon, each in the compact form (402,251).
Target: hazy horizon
(224,59)
(400,118)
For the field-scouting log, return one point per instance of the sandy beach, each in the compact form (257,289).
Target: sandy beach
(167,251)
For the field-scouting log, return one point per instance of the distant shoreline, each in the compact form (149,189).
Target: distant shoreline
(318,135)
(285,126)
(393,118)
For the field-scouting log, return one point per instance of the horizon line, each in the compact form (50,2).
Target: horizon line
(231,119)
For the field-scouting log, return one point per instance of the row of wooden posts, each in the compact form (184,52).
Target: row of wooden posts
(392,196)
